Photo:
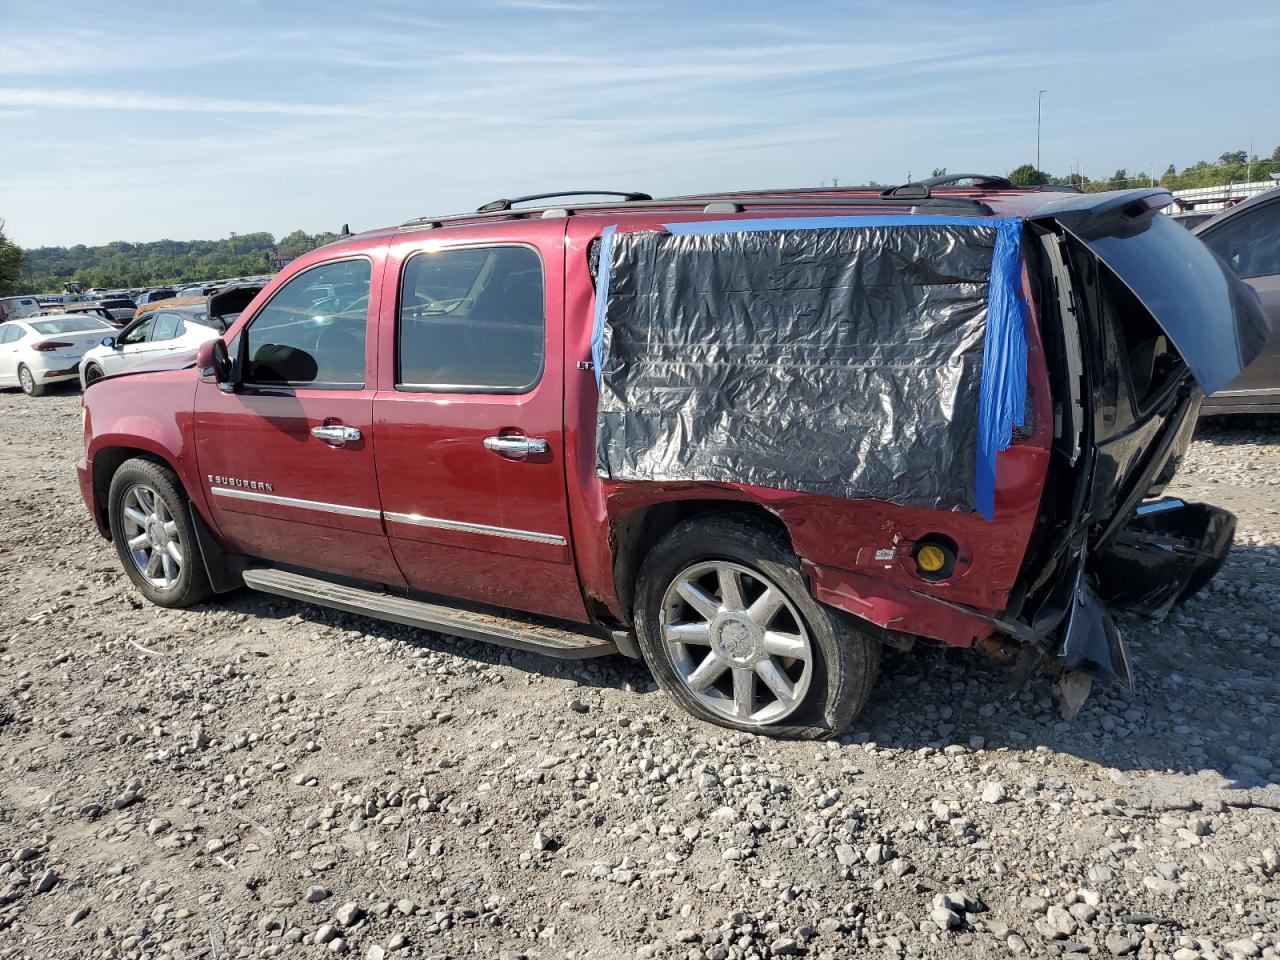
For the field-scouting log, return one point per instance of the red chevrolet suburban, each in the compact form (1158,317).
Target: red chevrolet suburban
(749,437)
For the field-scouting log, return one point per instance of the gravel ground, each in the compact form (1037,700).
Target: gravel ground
(258,777)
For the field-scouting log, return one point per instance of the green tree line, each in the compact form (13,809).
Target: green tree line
(123,264)
(1234,166)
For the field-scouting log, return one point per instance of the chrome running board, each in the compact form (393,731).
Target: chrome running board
(456,621)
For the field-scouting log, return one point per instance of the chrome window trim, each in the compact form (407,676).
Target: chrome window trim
(370,512)
(418,520)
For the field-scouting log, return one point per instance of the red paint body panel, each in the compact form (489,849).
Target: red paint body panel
(432,462)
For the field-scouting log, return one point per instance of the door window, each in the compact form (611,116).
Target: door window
(165,327)
(137,334)
(472,319)
(1249,242)
(312,332)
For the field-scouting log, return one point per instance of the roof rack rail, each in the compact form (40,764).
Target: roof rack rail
(979,179)
(923,189)
(496,206)
(724,204)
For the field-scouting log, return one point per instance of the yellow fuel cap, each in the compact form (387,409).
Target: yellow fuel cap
(931,559)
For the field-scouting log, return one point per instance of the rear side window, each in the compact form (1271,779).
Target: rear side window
(67,325)
(312,332)
(10,334)
(472,320)
(165,327)
(1249,242)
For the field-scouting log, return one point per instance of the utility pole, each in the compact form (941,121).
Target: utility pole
(1039,97)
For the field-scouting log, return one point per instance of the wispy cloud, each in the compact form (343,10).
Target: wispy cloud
(552,6)
(99,100)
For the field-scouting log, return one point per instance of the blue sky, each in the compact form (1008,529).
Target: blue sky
(123,121)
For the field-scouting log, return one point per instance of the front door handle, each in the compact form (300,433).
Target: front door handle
(516,447)
(336,434)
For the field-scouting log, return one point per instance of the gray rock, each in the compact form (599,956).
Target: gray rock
(326,933)
(48,880)
(1056,924)
(994,792)
(1243,947)
(783,947)
(1016,943)
(543,841)
(846,855)
(317,894)
(876,854)
(944,918)
(1121,944)
(126,799)
(1162,887)
(349,914)
(76,915)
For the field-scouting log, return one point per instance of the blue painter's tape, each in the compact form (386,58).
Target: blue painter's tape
(602,301)
(1002,395)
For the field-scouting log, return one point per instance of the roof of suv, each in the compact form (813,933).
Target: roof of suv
(982,196)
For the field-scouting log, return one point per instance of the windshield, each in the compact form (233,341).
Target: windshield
(68,325)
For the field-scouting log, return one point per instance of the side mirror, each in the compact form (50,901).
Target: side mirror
(108,341)
(214,363)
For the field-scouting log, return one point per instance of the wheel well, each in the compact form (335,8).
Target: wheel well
(105,464)
(635,534)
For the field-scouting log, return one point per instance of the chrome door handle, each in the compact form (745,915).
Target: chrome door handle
(335,434)
(515,448)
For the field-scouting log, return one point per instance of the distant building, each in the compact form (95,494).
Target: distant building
(1219,197)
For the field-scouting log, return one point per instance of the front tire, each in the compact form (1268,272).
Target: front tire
(92,374)
(30,386)
(152,532)
(732,634)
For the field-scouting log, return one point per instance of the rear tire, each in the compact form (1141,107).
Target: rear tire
(30,386)
(153,535)
(731,633)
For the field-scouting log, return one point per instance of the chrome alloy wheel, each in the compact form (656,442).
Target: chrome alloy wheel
(27,380)
(151,535)
(736,642)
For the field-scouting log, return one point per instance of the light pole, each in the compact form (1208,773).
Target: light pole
(1039,97)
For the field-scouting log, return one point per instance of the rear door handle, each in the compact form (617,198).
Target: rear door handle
(336,434)
(515,447)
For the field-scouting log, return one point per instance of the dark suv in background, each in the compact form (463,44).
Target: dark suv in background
(1247,237)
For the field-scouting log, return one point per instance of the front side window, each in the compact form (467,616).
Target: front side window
(472,319)
(312,332)
(1249,242)
(137,334)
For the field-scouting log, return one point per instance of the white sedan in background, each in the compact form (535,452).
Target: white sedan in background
(152,337)
(38,351)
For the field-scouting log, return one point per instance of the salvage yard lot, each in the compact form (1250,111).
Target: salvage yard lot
(258,777)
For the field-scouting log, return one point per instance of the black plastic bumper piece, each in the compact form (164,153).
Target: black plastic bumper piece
(1167,552)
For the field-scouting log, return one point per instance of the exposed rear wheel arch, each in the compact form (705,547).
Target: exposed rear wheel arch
(636,534)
